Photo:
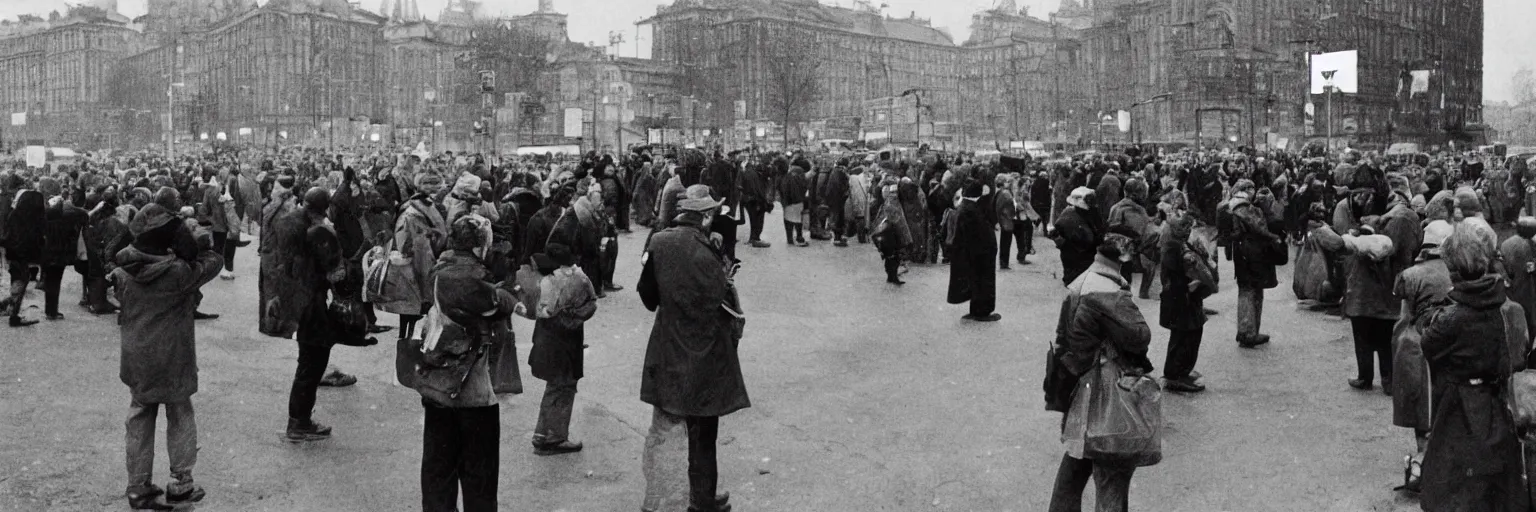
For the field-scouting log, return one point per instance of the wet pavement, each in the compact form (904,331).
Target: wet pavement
(866,397)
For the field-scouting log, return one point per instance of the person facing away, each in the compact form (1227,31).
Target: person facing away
(159,293)
(1098,312)
(692,373)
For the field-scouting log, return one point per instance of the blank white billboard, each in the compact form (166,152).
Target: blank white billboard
(573,122)
(1346,72)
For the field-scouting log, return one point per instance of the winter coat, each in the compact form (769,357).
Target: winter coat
(1255,250)
(63,226)
(972,275)
(1187,280)
(793,187)
(1108,193)
(1040,198)
(1475,451)
(691,363)
(671,193)
(211,210)
(1368,277)
(1129,218)
(645,197)
(1002,201)
(858,196)
(915,206)
(465,294)
(1078,238)
(1423,288)
(159,294)
(1098,310)
(891,225)
(566,301)
(754,189)
(420,234)
(25,228)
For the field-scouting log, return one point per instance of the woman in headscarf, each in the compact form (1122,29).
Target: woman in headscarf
(1422,288)
(1473,461)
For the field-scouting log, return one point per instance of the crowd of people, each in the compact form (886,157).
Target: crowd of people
(456,245)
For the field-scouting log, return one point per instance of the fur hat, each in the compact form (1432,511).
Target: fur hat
(1080,197)
(150,218)
(468,186)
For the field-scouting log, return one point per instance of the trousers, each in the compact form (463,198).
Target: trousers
(1250,312)
(1112,485)
(53,277)
(180,441)
(554,425)
(666,429)
(1373,340)
(1183,351)
(755,229)
(460,448)
(703,471)
(313,359)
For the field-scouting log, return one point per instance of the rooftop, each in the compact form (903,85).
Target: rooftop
(867,22)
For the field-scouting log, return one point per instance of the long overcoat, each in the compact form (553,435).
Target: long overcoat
(159,294)
(691,363)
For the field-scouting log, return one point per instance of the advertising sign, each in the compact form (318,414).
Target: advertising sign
(19,119)
(573,122)
(1342,67)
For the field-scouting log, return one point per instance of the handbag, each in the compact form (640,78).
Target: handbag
(438,364)
(348,317)
(1115,416)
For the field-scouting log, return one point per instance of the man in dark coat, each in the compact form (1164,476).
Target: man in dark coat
(159,292)
(1255,252)
(834,195)
(755,200)
(692,369)
(23,248)
(972,272)
(1078,232)
(317,264)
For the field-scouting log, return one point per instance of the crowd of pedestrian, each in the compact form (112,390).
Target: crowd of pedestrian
(455,245)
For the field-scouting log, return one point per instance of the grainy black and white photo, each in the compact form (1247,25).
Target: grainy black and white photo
(768,255)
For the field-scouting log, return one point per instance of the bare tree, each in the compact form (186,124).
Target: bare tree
(1525,86)
(791,65)
(518,56)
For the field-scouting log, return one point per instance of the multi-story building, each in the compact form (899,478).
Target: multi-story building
(53,73)
(1022,78)
(726,51)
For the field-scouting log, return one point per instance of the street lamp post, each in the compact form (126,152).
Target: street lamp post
(170,119)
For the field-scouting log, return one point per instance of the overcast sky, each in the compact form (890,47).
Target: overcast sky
(1509,41)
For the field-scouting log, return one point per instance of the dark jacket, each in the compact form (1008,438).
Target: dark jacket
(1078,237)
(834,188)
(159,294)
(691,363)
(754,189)
(1255,250)
(972,274)
(467,297)
(1187,280)
(560,331)
(63,226)
(1097,310)
(793,187)
(295,278)
(1474,445)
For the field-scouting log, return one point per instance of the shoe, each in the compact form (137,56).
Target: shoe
(243,243)
(336,379)
(300,431)
(1360,384)
(760,244)
(723,499)
(17,321)
(227,275)
(101,310)
(179,493)
(1210,312)
(1144,296)
(840,243)
(601,295)
(55,316)
(897,282)
(1003,267)
(1184,385)
(84,302)
(1194,376)
(613,287)
(199,315)
(376,329)
(1411,473)
(719,507)
(545,450)
(146,498)
(1253,342)
(989,318)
